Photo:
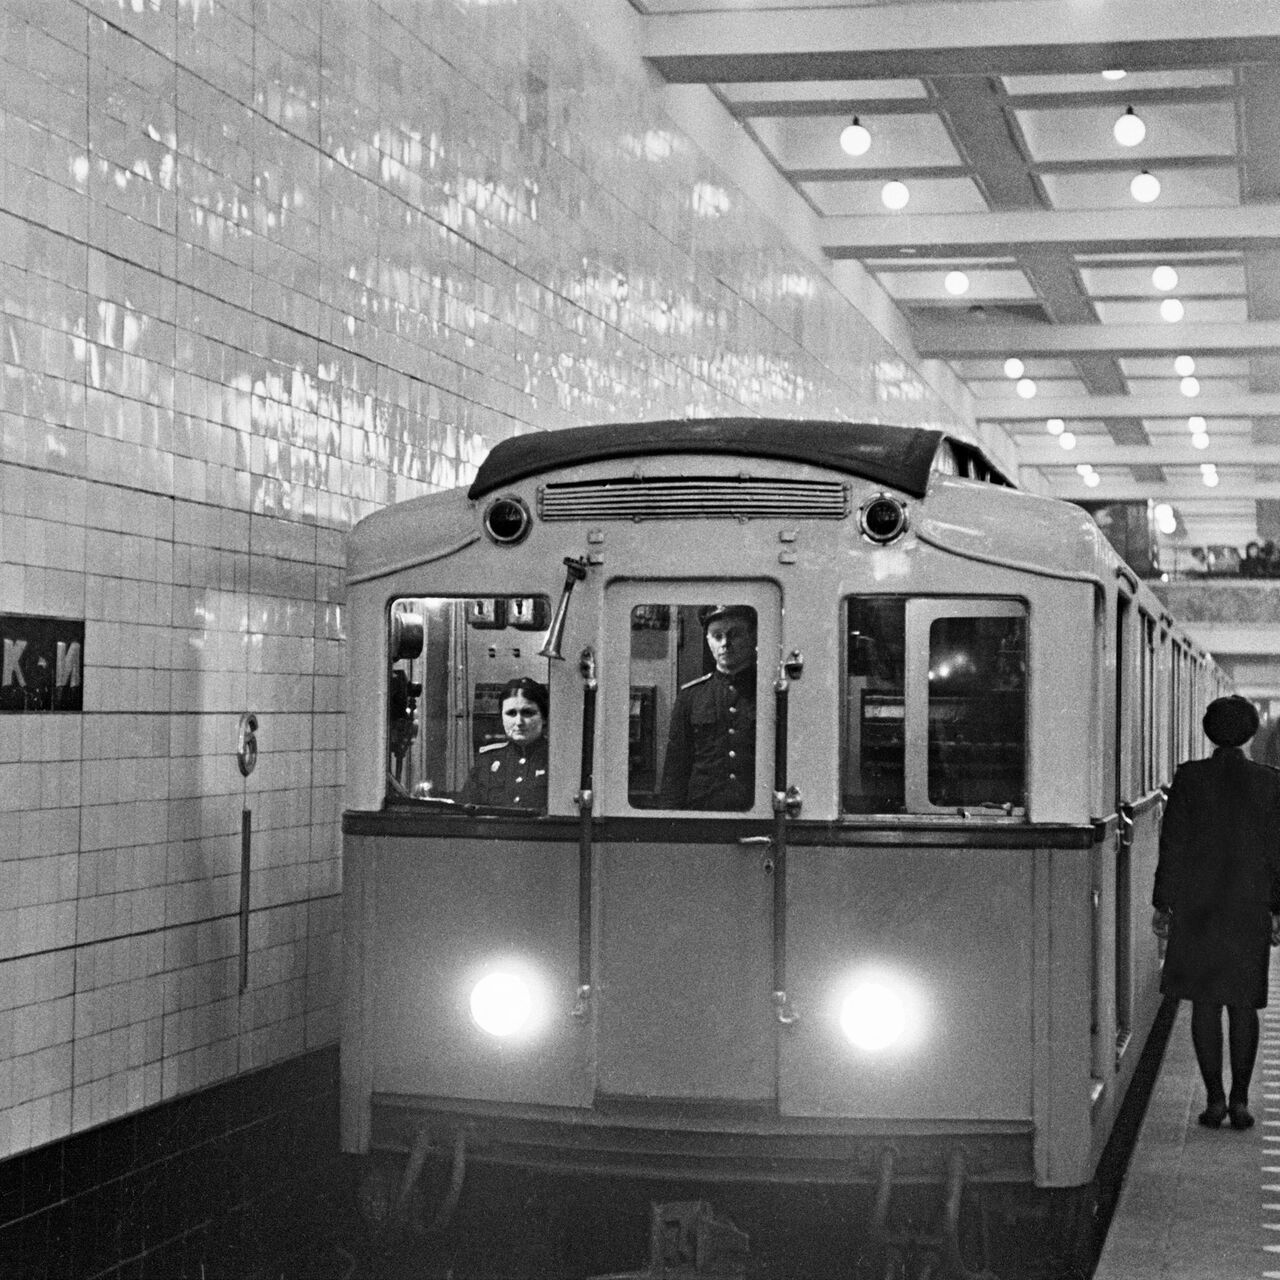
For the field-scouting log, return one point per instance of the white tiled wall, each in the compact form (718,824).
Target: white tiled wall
(265,266)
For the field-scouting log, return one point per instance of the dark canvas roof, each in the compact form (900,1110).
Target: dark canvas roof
(900,457)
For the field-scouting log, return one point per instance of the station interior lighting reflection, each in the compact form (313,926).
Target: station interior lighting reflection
(855,138)
(1172,310)
(1164,278)
(956,283)
(1145,187)
(1184,366)
(1055,426)
(895,195)
(1014,368)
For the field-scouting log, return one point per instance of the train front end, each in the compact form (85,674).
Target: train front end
(876,947)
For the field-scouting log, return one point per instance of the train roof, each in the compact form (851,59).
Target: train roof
(901,457)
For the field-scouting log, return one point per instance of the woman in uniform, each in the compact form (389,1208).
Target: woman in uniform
(1217,892)
(513,774)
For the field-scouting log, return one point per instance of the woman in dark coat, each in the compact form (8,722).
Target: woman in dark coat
(1217,892)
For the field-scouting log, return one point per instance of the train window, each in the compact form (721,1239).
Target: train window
(977,712)
(692,732)
(875,706)
(935,705)
(468,710)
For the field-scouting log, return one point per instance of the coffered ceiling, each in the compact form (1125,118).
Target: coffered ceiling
(998,116)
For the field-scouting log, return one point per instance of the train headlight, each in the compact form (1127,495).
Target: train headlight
(879,1012)
(883,519)
(504,1004)
(507,520)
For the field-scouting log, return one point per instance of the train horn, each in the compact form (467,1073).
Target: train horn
(575,571)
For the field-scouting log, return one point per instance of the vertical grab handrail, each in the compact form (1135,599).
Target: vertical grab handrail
(784,800)
(586,802)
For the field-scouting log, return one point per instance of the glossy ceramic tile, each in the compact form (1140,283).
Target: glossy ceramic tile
(266,266)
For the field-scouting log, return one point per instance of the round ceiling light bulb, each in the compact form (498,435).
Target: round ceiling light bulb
(1211,479)
(1196,423)
(1093,479)
(855,138)
(895,195)
(1164,278)
(1055,426)
(956,283)
(1129,130)
(1166,521)
(1172,310)
(1189,386)
(1145,187)
(1083,468)
(1026,388)
(1014,368)
(1200,440)
(1184,366)
(1067,440)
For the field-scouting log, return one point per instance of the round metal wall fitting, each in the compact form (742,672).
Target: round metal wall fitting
(507,520)
(883,519)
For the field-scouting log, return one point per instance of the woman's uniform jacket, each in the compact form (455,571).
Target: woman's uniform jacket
(1219,874)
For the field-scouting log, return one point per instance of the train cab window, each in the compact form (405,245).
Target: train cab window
(977,712)
(692,730)
(468,713)
(934,706)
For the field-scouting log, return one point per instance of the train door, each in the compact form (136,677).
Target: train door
(685,898)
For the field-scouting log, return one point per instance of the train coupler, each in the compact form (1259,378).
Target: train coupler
(688,1242)
(908,1249)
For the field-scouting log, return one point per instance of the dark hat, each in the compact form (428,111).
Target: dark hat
(1230,722)
(531,689)
(712,612)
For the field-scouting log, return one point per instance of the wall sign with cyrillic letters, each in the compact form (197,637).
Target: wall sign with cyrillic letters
(41,663)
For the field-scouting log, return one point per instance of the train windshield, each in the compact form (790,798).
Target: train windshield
(468,708)
(935,706)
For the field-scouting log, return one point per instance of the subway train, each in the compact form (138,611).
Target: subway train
(908,948)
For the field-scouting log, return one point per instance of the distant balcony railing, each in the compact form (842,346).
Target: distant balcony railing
(1256,561)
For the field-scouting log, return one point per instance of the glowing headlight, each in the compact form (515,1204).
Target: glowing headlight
(502,1004)
(878,1012)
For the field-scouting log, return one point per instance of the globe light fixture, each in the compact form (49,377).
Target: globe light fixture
(895,195)
(1129,130)
(1093,479)
(1166,520)
(1209,474)
(1055,426)
(1164,278)
(1026,388)
(1145,187)
(1184,366)
(1172,310)
(1067,440)
(956,283)
(1014,368)
(1196,423)
(1190,386)
(855,138)
(1200,440)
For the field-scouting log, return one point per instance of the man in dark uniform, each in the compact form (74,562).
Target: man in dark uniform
(711,750)
(1216,899)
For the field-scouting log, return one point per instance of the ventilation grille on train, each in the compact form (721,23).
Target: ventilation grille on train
(703,498)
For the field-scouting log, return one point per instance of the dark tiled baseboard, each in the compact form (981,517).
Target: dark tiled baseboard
(241,1180)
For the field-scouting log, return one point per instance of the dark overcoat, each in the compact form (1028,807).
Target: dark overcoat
(1219,874)
(711,751)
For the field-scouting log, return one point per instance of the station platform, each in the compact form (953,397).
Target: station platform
(1196,1202)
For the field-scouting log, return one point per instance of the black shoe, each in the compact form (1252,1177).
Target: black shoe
(1214,1114)
(1241,1117)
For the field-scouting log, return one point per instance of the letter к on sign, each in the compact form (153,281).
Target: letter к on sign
(41,663)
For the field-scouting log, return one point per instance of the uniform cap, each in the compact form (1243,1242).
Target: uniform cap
(1230,722)
(713,612)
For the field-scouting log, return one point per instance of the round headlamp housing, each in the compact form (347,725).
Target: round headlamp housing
(883,519)
(507,520)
